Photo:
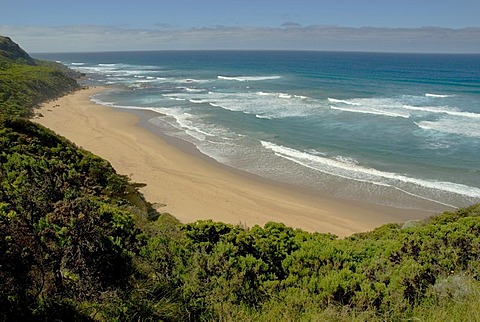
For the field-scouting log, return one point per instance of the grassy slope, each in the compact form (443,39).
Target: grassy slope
(76,244)
(25,82)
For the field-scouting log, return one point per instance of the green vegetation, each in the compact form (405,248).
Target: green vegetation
(25,82)
(79,242)
(66,223)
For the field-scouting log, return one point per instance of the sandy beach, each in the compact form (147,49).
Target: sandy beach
(192,187)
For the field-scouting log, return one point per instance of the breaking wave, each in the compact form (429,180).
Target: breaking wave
(350,169)
(248,78)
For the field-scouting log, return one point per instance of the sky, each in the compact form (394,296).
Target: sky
(353,25)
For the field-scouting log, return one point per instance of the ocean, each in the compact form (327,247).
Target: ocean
(395,129)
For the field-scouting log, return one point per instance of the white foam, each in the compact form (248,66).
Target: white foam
(347,160)
(248,78)
(442,110)
(459,126)
(96,100)
(396,107)
(188,89)
(217,105)
(78,64)
(185,121)
(263,116)
(348,168)
(118,70)
(197,101)
(281,95)
(437,95)
(260,104)
(301,97)
(150,80)
(177,99)
(194,90)
(371,111)
(334,100)
(189,80)
(376,106)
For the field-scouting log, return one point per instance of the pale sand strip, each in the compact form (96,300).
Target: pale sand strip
(196,188)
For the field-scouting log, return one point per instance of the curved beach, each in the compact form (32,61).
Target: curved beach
(192,186)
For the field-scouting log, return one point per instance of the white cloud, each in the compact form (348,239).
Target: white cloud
(289,36)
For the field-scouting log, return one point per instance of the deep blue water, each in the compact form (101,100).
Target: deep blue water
(396,129)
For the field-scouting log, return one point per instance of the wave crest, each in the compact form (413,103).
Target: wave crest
(248,78)
(437,95)
(350,169)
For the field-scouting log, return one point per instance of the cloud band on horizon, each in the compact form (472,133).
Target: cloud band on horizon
(290,36)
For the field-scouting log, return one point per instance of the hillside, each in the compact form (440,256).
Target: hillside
(11,52)
(25,82)
(79,242)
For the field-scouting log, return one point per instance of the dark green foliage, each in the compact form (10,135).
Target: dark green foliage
(66,227)
(387,273)
(71,246)
(22,87)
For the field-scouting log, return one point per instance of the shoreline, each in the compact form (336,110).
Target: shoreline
(193,186)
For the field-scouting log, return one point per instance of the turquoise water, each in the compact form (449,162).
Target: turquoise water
(395,129)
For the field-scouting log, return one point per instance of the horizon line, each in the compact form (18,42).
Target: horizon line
(256,50)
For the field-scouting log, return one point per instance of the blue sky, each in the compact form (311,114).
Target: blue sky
(243,24)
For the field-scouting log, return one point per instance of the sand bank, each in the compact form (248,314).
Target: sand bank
(193,187)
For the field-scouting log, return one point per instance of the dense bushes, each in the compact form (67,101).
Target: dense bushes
(66,227)
(22,87)
(276,272)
